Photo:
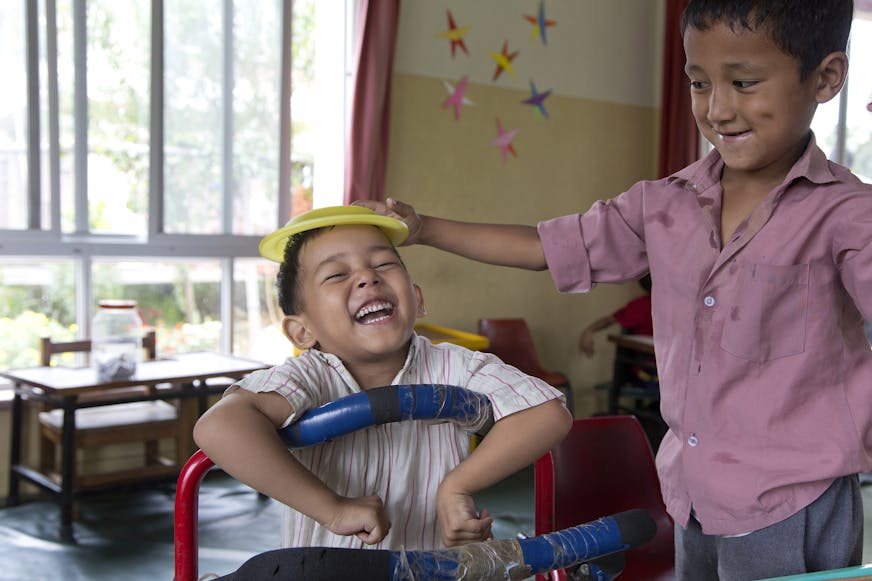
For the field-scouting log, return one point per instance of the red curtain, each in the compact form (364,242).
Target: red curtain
(376,35)
(679,137)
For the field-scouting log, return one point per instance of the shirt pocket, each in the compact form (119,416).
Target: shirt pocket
(767,319)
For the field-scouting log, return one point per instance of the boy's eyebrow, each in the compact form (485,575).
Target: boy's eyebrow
(739,67)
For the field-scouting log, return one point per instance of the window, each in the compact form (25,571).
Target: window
(36,300)
(843,127)
(145,148)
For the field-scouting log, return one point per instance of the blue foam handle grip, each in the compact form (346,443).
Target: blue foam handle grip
(574,545)
(544,553)
(382,405)
(329,421)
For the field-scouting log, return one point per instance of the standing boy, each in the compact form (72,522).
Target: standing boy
(761,260)
(349,301)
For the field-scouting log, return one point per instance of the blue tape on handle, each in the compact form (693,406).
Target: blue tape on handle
(574,545)
(557,550)
(382,405)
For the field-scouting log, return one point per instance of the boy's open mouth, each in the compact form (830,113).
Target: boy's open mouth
(373,312)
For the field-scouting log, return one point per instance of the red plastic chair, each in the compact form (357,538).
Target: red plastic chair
(604,466)
(511,341)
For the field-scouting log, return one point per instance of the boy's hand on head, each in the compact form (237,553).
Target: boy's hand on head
(400,211)
(363,517)
(460,521)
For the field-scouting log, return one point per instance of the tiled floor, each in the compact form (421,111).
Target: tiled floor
(129,536)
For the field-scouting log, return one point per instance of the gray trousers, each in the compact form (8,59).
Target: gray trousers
(827,534)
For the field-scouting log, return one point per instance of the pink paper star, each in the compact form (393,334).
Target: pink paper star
(456,98)
(504,140)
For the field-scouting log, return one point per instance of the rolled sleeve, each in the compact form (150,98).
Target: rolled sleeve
(565,253)
(604,244)
(287,380)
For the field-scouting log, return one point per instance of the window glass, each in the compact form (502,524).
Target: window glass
(196,125)
(857,154)
(13,117)
(66,99)
(118,115)
(306,108)
(257,38)
(858,117)
(825,126)
(37,299)
(45,162)
(257,318)
(193,57)
(178,296)
(179,299)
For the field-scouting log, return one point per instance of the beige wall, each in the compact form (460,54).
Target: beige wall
(603,62)
(589,149)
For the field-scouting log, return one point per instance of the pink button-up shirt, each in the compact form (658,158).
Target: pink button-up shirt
(765,372)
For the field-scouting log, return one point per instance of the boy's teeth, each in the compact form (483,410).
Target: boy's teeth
(373,308)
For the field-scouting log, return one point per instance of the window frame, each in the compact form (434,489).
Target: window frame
(85,246)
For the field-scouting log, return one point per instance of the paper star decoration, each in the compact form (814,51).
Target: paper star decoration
(540,24)
(456,96)
(504,61)
(537,99)
(455,35)
(504,140)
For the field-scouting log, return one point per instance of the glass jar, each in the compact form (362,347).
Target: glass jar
(116,340)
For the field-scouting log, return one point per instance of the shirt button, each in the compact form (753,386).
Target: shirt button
(709,301)
(693,440)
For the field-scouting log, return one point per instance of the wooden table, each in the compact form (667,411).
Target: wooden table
(185,378)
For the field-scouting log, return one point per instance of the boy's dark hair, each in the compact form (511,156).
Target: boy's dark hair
(807,30)
(286,280)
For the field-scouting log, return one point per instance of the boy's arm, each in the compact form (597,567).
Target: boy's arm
(239,434)
(499,244)
(585,342)
(514,442)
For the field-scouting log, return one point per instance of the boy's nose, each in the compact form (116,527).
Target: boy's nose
(368,277)
(720,106)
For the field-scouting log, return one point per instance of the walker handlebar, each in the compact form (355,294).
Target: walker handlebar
(486,561)
(394,403)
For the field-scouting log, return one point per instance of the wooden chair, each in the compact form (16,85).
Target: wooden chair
(605,466)
(511,341)
(145,422)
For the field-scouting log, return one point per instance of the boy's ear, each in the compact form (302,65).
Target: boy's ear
(422,310)
(831,74)
(297,331)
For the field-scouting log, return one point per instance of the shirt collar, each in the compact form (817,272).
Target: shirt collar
(811,165)
(336,363)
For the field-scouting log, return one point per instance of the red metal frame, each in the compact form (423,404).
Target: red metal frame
(185,518)
(543,507)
